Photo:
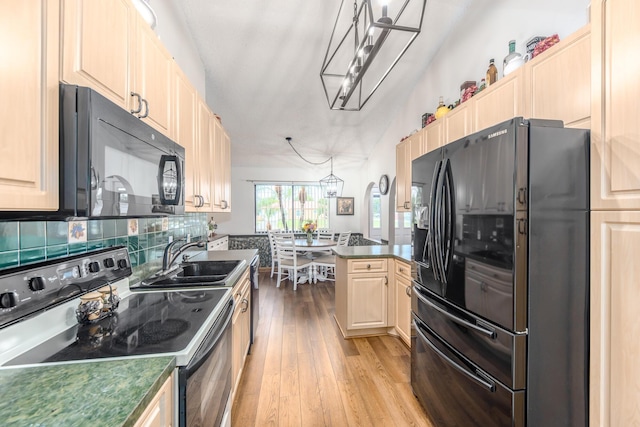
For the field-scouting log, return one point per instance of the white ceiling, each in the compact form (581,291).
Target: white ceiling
(262,62)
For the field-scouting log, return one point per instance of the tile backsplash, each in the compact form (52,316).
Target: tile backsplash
(26,242)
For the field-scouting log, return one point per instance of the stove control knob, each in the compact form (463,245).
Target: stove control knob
(36,283)
(109,262)
(8,300)
(122,263)
(94,267)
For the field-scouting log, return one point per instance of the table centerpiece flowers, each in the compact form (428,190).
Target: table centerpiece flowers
(309,227)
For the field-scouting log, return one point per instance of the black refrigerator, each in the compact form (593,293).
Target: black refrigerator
(500,310)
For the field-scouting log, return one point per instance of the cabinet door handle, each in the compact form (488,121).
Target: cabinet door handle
(223,204)
(368,266)
(386,280)
(245,304)
(139,103)
(408,291)
(146,109)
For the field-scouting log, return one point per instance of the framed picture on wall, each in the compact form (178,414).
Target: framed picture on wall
(344,206)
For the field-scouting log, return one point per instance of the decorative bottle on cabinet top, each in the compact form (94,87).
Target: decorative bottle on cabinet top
(492,73)
(513,60)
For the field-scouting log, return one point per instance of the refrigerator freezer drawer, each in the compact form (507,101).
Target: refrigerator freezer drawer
(454,391)
(502,354)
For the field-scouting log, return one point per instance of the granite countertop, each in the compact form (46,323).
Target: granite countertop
(109,393)
(401,252)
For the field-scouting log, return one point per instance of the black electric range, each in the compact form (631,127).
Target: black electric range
(145,323)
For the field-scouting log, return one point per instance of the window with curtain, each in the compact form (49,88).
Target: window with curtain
(287,206)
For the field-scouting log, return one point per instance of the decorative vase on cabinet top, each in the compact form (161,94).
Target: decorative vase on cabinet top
(442,109)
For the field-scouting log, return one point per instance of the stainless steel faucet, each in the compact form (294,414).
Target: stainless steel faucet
(169,256)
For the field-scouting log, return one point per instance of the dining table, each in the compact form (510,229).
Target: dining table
(308,249)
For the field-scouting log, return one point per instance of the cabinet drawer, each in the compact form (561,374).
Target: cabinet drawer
(403,269)
(375,265)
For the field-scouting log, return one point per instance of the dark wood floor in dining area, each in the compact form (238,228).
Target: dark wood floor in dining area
(301,372)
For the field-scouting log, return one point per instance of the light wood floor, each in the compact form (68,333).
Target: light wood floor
(301,372)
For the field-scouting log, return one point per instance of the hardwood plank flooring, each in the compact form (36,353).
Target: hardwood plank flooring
(302,372)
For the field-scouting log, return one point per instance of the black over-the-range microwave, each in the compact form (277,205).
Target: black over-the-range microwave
(112,164)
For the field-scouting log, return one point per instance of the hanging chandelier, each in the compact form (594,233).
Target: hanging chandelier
(330,186)
(381,34)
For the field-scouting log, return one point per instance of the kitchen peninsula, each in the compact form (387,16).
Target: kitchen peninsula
(367,301)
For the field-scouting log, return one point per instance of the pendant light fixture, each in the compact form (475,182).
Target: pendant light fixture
(331,186)
(382,31)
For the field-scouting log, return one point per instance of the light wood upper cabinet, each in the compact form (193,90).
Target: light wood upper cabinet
(434,135)
(153,78)
(409,149)
(221,167)
(204,157)
(107,46)
(97,40)
(185,129)
(403,153)
(614,379)
(501,101)
(560,81)
(615,127)
(458,123)
(29,79)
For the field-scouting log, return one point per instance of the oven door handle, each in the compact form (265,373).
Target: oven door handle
(475,377)
(210,341)
(487,332)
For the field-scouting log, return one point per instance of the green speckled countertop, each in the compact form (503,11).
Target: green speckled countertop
(401,252)
(97,393)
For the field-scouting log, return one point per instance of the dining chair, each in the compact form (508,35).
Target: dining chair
(343,238)
(326,263)
(325,234)
(272,246)
(289,264)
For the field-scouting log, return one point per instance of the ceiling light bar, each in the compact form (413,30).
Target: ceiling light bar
(345,83)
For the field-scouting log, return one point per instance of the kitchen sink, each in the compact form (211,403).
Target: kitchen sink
(207,268)
(197,273)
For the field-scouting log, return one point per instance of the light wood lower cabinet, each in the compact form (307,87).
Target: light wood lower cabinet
(241,328)
(403,300)
(615,325)
(160,412)
(29,80)
(362,296)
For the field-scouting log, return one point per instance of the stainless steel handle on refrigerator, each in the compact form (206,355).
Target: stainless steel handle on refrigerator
(137,95)
(473,376)
(440,222)
(432,222)
(449,218)
(487,332)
